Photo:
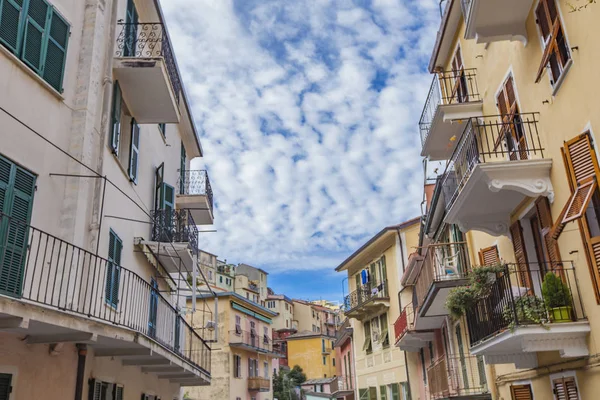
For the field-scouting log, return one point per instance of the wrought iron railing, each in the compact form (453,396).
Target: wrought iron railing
(450,87)
(47,270)
(196,183)
(176,226)
(457,376)
(149,40)
(515,298)
(492,138)
(442,262)
(251,340)
(366,293)
(404,323)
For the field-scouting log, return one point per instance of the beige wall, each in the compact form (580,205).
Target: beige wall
(279,322)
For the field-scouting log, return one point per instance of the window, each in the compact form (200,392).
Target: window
(512,132)
(237,366)
(5,386)
(253,368)
(385,336)
(17,187)
(556,53)
(266,368)
(238,325)
(324,360)
(265,335)
(113,269)
(38,35)
(333,361)
(287,323)
(210,275)
(521,392)
(106,391)
(565,388)
(489,256)
(125,144)
(323,345)
(368,344)
(220,279)
(287,307)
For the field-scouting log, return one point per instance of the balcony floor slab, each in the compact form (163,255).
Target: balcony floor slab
(198,206)
(174,257)
(492,21)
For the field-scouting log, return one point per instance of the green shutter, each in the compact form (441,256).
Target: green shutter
(363,394)
(134,152)
(118,392)
(372,393)
(383,392)
(395,391)
(115,136)
(5,386)
(168,197)
(17,187)
(130,30)
(113,271)
(12,18)
(163,129)
(56,51)
(35,36)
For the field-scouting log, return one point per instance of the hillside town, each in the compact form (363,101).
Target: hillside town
(487,288)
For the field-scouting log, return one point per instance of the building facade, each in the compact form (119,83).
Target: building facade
(97,203)
(344,353)
(313,352)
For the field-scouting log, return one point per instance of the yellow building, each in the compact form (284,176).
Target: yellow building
(374,302)
(313,352)
(512,113)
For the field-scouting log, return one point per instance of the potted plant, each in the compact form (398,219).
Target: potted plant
(557,297)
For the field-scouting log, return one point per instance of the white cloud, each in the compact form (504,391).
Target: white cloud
(307,157)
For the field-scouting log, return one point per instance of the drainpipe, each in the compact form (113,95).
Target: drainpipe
(82,353)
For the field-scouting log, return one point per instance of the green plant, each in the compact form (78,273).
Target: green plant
(529,309)
(555,292)
(462,298)
(579,6)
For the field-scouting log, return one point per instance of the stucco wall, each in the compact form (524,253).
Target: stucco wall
(307,353)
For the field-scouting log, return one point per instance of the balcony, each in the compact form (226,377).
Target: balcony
(251,341)
(58,292)
(341,386)
(146,70)
(257,384)
(495,20)
(173,237)
(445,266)
(515,320)
(453,98)
(369,299)
(195,194)
(458,378)
(498,163)
(407,337)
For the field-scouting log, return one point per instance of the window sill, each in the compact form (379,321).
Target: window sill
(31,73)
(562,78)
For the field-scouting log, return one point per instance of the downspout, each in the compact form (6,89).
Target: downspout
(81,357)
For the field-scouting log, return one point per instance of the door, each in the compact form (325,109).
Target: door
(513,131)
(17,187)
(131,25)
(461,355)
(524,275)
(460,89)
(153,308)
(167,212)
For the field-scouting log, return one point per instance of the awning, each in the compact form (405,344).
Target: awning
(174,257)
(250,312)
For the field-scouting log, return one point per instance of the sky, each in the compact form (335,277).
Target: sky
(308,115)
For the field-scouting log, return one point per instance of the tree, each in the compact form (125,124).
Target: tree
(297,375)
(285,383)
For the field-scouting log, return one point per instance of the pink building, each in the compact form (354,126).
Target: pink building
(344,362)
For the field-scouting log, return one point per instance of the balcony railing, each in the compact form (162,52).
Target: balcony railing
(488,139)
(443,262)
(466,7)
(404,323)
(366,293)
(457,377)
(251,340)
(515,299)
(46,270)
(149,40)
(176,226)
(451,87)
(196,183)
(258,383)
(342,384)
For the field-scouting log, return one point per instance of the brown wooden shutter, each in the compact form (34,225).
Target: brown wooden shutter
(565,389)
(489,256)
(521,392)
(552,251)
(516,232)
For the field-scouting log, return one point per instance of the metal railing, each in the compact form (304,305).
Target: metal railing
(54,273)
(457,376)
(196,183)
(176,226)
(341,384)
(515,298)
(404,323)
(466,8)
(450,87)
(258,383)
(488,139)
(149,40)
(442,262)
(252,340)
(365,294)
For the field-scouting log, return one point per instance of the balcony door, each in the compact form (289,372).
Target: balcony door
(460,92)
(461,355)
(153,308)
(511,131)
(131,25)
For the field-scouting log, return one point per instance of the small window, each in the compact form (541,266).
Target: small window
(565,388)
(324,360)
(521,392)
(238,325)
(266,368)
(237,366)
(220,279)
(333,361)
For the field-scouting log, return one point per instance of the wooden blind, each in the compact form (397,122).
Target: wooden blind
(565,389)
(544,214)
(516,232)
(489,256)
(521,392)
(556,52)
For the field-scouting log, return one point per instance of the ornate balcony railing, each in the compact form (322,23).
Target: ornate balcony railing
(450,87)
(492,138)
(251,340)
(47,270)
(515,299)
(176,226)
(366,293)
(404,323)
(451,377)
(442,262)
(196,183)
(149,40)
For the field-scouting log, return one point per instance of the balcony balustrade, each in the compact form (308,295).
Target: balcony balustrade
(250,341)
(342,384)
(368,298)
(407,338)
(461,377)
(256,383)
(196,195)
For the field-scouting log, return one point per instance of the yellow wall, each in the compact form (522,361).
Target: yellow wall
(308,354)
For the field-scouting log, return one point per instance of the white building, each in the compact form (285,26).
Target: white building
(98,210)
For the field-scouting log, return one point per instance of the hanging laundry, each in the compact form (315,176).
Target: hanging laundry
(364,276)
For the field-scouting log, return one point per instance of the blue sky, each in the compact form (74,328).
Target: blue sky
(308,113)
